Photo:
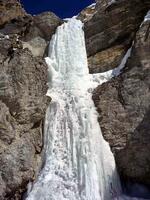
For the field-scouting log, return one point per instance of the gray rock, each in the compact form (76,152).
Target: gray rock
(124,107)
(23,102)
(47,22)
(36,45)
(9,10)
(112,27)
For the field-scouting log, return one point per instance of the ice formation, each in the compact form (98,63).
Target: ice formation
(78,163)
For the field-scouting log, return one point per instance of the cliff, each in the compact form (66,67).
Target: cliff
(23,101)
(111,28)
(123,102)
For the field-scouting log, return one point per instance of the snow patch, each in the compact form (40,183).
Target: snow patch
(117,71)
(147,17)
(111,2)
(92,6)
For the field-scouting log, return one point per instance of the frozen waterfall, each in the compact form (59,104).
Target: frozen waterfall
(78,162)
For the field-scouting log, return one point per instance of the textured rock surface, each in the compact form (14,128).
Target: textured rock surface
(35,31)
(87,13)
(23,101)
(39,32)
(9,10)
(47,22)
(106,59)
(124,107)
(112,26)
(23,85)
(36,45)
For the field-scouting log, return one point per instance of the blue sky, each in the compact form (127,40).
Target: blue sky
(62,8)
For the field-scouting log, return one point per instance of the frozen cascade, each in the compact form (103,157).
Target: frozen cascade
(78,162)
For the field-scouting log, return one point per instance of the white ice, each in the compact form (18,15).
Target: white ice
(79,164)
(92,6)
(147,17)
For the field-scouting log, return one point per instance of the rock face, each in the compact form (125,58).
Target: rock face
(23,101)
(87,13)
(23,104)
(34,31)
(9,10)
(106,59)
(123,103)
(110,31)
(47,22)
(39,32)
(124,107)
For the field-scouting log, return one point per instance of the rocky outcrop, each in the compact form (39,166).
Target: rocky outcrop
(110,31)
(87,13)
(34,31)
(47,22)
(23,85)
(23,101)
(10,10)
(106,59)
(39,32)
(124,107)
(123,103)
